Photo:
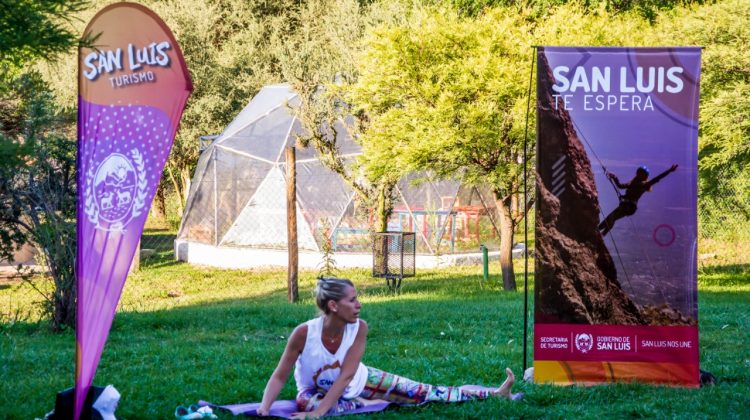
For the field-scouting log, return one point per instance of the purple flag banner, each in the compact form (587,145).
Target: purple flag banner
(132,90)
(616,216)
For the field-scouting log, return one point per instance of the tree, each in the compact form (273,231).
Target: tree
(448,94)
(317,58)
(648,9)
(226,48)
(235,47)
(37,195)
(32,29)
(37,157)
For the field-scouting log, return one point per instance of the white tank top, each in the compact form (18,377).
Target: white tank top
(316,367)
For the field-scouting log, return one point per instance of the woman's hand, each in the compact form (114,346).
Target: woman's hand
(261,412)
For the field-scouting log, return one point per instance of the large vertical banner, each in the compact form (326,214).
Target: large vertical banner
(616,222)
(132,90)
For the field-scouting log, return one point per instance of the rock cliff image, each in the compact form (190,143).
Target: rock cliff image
(576,276)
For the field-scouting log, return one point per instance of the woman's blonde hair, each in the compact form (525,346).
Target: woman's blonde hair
(330,289)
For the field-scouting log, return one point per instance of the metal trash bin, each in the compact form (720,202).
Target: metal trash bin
(393,256)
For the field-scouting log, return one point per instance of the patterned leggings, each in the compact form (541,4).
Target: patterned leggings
(387,386)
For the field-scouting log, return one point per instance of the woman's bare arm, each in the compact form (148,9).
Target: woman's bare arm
(662,175)
(294,347)
(616,180)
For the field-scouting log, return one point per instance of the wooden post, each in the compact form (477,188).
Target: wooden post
(291,223)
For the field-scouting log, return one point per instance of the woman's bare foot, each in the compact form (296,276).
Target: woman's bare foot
(504,389)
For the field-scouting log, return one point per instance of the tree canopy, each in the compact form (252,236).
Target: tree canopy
(37,154)
(449,94)
(32,29)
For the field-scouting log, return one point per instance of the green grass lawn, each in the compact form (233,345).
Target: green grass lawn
(185,333)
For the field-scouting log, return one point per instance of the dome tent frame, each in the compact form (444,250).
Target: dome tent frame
(237,199)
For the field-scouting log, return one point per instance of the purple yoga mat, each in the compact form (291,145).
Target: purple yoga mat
(285,408)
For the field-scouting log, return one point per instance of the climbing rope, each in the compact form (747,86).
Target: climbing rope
(632,224)
(619,199)
(606,172)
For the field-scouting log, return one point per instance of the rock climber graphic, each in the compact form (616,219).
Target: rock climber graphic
(633,192)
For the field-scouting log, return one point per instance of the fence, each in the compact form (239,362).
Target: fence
(724,226)
(457,224)
(240,202)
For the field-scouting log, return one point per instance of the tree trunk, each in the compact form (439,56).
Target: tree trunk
(177,187)
(383,208)
(185,188)
(185,175)
(64,314)
(506,241)
(59,253)
(159,209)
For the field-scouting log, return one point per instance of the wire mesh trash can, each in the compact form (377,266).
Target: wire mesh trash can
(393,256)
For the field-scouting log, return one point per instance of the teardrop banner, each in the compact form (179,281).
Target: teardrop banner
(132,88)
(616,215)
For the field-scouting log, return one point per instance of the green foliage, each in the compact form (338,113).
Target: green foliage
(37,159)
(573,25)
(439,90)
(648,9)
(445,93)
(228,50)
(32,29)
(316,58)
(724,142)
(725,77)
(235,47)
(37,192)
(318,52)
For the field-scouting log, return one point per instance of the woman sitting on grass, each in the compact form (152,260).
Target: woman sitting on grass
(327,352)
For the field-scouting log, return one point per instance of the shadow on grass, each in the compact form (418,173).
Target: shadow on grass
(417,297)
(157,261)
(739,272)
(161,241)
(726,280)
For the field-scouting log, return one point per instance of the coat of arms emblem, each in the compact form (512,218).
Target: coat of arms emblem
(116,191)
(584,342)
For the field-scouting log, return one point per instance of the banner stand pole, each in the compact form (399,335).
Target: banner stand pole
(526,221)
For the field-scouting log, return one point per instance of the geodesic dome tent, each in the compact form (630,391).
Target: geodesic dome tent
(237,199)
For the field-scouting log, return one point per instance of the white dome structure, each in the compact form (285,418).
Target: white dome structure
(235,214)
